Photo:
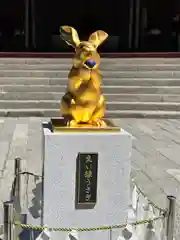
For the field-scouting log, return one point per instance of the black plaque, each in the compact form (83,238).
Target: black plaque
(86,180)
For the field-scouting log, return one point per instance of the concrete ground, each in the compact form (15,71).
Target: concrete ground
(155,157)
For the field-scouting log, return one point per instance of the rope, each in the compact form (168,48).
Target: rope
(33,227)
(28,173)
(162,210)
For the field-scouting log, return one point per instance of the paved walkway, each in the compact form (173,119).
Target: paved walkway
(155,157)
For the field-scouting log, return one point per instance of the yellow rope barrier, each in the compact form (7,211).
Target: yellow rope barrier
(33,227)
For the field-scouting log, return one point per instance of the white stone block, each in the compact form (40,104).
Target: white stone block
(113,181)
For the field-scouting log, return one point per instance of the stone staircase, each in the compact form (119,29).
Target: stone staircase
(137,87)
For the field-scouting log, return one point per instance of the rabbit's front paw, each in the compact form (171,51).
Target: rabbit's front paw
(99,123)
(72,123)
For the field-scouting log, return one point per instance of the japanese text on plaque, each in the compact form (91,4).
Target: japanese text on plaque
(88,177)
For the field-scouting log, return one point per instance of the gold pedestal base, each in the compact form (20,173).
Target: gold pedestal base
(60,125)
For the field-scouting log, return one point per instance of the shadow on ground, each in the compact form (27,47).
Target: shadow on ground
(35,211)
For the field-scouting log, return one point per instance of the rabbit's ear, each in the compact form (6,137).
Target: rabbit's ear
(69,35)
(98,37)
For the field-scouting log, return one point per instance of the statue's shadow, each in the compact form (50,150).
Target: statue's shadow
(36,208)
(34,212)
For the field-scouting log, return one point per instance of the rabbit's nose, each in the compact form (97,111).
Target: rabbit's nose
(90,63)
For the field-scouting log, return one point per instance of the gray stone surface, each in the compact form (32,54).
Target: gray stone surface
(110,74)
(110,81)
(106,89)
(123,97)
(35,112)
(142,61)
(155,158)
(111,106)
(155,146)
(148,82)
(114,151)
(118,65)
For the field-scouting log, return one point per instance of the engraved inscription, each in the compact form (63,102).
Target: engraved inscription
(86,181)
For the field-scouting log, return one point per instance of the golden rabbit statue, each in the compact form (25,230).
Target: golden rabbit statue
(83,102)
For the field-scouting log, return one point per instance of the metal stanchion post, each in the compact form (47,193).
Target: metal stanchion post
(8,221)
(171,218)
(17,171)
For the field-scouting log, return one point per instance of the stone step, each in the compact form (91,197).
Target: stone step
(151,61)
(105,74)
(109,114)
(105,81)
(109,97)
(113,106)
(105,89)
(103,67)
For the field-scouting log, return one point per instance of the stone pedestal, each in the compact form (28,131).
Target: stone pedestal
(75,197)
